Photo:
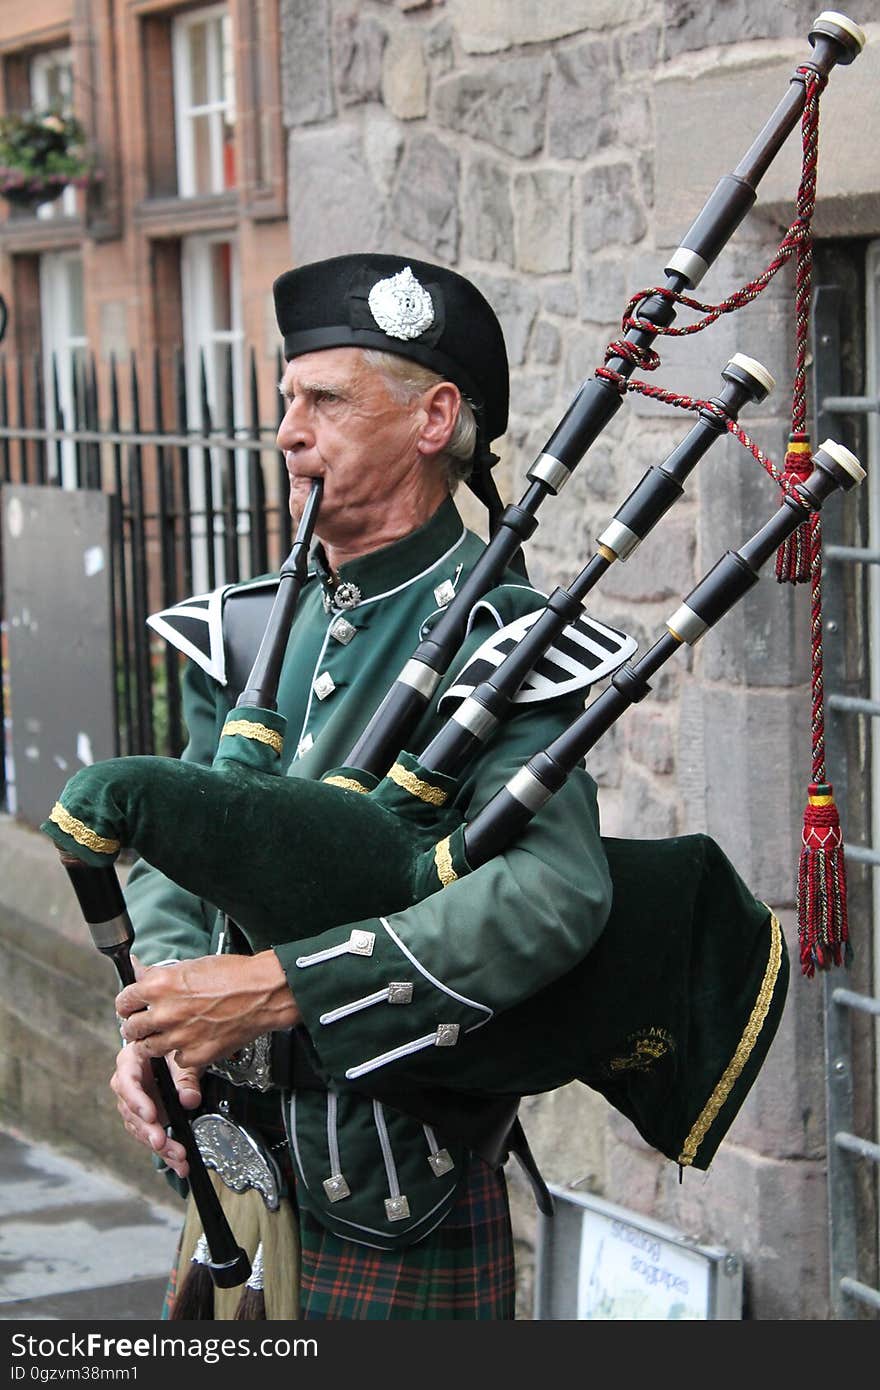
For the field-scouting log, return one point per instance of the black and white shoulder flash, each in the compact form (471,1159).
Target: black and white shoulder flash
(195,626)
(586,652)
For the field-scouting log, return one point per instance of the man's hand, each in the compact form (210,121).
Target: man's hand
(137,1100)
(201,1010)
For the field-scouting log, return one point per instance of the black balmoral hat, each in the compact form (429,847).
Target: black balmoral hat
(414,309)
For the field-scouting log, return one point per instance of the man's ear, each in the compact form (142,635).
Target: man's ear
(441,404)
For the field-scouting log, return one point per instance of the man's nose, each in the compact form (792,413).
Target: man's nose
(295,428)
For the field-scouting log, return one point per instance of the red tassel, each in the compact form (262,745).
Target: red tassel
(821,896)
(793,556)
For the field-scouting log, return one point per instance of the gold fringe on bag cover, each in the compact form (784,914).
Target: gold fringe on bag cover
(254,1225)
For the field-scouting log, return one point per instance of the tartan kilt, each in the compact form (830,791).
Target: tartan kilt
(463,1270)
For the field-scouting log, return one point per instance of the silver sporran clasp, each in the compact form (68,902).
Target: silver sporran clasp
(237,1157)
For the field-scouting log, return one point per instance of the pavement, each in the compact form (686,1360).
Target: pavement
(76,1244)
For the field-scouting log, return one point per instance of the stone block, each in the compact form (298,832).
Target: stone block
(603,289)
(515,301)
(743,766)
(425,204)
(405,76)
(319,225)
(584,351)
(565,1133)
(690,27)
(582,114)
(535,392)
(306,73)
(560,297)
(707,118)
(650,740)
(661,568)
(612,211)
(543,221)
(358,48)
(488,228)
(439,48)
(639,50)
(650,808)
(495,25)
(546,344)
(635,130)
(383,145)
(765,638)
(504,106)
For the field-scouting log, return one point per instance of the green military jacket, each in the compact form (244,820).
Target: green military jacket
(375,991)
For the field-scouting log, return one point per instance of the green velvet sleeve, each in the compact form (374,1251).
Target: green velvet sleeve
(480,945)
(169,923)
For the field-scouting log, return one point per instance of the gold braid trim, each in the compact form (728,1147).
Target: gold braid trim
(347,782)
(80,832)
(443,861)
(259,732)
(434,796)
(747,1042)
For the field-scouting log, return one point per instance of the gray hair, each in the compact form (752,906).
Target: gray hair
(405,380)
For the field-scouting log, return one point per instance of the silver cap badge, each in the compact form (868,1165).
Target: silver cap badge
(401,306)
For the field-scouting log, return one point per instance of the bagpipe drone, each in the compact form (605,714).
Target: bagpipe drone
(671,1013)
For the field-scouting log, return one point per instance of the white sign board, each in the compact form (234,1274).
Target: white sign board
(627,1272)
(599,1262)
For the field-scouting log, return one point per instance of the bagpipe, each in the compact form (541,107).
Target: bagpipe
(671,1013)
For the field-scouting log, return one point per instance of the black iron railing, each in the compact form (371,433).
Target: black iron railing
(199,499)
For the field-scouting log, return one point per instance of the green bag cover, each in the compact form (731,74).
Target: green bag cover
(260,846)
(669,1016)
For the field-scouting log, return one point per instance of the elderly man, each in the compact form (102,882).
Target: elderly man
(395,386)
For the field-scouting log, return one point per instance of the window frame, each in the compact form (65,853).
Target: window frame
(216,109)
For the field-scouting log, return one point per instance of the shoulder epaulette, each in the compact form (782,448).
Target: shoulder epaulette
(200,626)
(585,652)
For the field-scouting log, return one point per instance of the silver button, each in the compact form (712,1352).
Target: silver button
(447,1035)
(361,943)
(336,1187)
(400,992)
(441,1162)
(342,631)
(444,593)
(304,745)
(324,685)
(396,1208)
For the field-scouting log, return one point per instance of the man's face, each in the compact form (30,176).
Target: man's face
(343,425)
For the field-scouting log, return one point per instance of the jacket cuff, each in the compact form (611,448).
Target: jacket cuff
(367,1002)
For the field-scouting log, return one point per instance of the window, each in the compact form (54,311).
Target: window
(62,306)
(204,100)
(214,359)
(51,83)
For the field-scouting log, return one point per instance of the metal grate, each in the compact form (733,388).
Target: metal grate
(851,611)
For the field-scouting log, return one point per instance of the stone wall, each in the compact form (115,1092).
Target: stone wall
(556,153)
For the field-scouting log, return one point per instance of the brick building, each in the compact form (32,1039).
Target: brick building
(177,242)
